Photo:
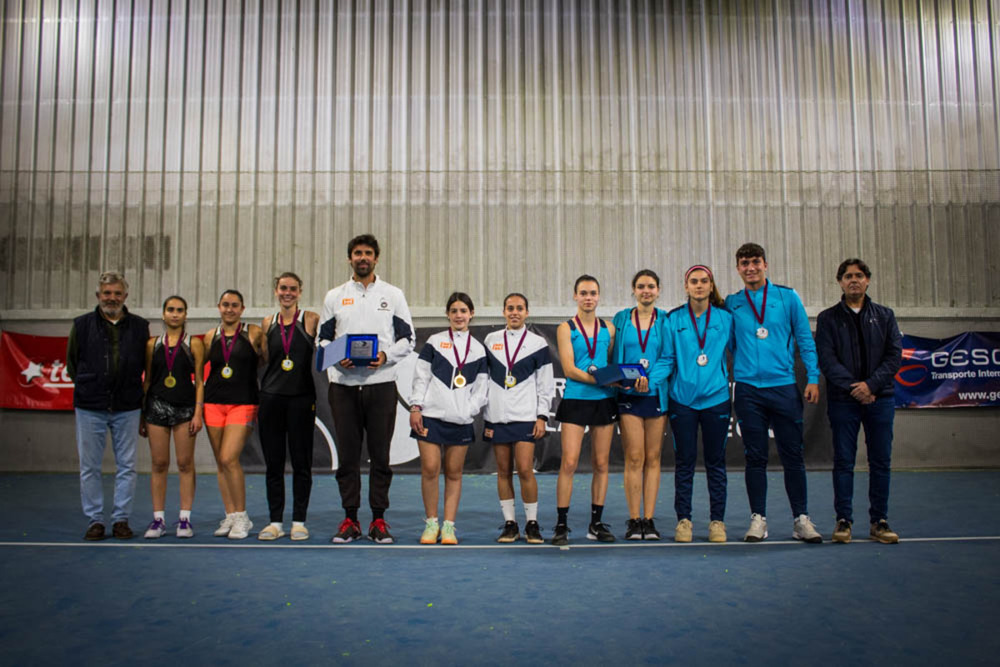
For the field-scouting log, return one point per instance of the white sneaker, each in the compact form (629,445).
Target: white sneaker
(156,529)
(225,525)
(803,529)
(184,528)
(241,527)
(757,532)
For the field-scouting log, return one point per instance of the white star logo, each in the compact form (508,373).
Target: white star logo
(31,372)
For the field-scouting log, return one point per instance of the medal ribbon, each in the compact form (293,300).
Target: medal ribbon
(506,350)
(286,345)
(591,351)
(638,329)
(171,356)
(459,365)
(228,351)
(763,305)
(694,323)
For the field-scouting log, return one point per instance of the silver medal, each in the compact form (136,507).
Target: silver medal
(592,369)
(761,333)
(702,359)
(644,363)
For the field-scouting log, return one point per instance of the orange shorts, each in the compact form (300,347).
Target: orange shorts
(219,415)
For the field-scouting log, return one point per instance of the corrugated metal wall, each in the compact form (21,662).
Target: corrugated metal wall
(497,145)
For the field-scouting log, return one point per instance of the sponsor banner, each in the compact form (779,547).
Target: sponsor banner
(33,372)
(957,372)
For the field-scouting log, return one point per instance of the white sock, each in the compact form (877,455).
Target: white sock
(531,511)
(231,515)
(159,515)
(297,524)
(277,526)
(185,514)
(507,507)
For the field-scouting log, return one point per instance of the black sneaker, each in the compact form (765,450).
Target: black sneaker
(533,533)
(599,531)
(633,529)
(347,532)
(560,535)
(378,532)
(511,533)
(649,531)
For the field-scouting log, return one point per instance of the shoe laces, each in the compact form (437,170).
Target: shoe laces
(380,525)
(345,525)
(157,523)
(182,523)
(599,525)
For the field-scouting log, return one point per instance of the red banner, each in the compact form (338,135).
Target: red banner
(33,372)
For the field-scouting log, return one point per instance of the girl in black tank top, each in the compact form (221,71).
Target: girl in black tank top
(288,406)
(173,405)
(235,350)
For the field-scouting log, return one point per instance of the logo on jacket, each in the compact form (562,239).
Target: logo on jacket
(383,304)
(347,302)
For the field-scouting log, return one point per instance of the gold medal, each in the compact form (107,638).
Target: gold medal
(509,381)
(459,380)
(287,364)
(227,372)
(170,381)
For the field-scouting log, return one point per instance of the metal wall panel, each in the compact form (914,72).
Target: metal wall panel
(497,145)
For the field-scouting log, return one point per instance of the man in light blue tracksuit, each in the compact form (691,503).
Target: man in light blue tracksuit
(769,320)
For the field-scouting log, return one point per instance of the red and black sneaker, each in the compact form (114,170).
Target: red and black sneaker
(378,531)
(347,532)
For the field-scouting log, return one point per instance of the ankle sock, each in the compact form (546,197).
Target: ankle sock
(596,511)
(507,507)
(562,516)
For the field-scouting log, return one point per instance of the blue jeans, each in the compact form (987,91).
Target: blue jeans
(781,409)
(91,436)
(846,419)
(714,422)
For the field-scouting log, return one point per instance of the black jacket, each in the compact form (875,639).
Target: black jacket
(840,354)
(104,380)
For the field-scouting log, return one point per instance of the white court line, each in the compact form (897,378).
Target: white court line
(257,544)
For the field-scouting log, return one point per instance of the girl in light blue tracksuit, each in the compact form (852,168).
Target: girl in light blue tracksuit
(700,332)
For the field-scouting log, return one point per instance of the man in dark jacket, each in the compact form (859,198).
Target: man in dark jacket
(859,348)
(105,357)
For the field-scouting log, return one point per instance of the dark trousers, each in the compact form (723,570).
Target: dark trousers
(684,423)
(779,408)
(288,419)
(846,419)
(371,410)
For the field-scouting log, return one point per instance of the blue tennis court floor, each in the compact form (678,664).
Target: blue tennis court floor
(933,598)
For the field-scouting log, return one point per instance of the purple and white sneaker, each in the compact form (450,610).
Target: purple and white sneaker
(184,528)
(156,529)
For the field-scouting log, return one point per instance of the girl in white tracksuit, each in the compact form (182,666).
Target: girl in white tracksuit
(449,390)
